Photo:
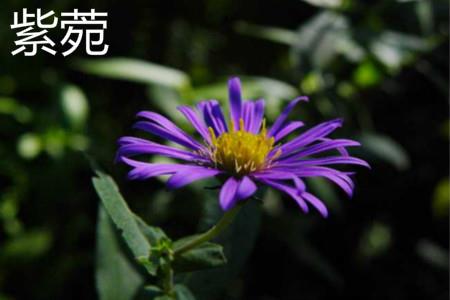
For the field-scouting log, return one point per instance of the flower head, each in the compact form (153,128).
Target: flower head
(242,150)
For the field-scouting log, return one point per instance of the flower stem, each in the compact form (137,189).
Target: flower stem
(223,223)
(168,281)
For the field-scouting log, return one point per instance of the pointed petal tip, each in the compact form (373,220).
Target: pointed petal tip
(301,98)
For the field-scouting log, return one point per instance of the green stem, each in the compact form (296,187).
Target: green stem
(168,281)
(223,223)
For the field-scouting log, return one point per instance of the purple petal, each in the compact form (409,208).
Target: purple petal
(252,115)
(283,116)
(340,178)
(247,114)
(293,192)
(228,193)
(278,175)
(190,174)
(213,116)
(166,134)
(198,124)
(341,150)
(316,203)
(246,188)
(332,160)
(169,126)
(135,146)
(235,97)
(143,170)
(320,147)
(290,127)
(309,137)
(258,115)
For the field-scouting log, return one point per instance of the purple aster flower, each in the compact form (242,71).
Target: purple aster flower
(242,152)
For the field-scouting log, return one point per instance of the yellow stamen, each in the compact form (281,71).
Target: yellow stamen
(241,152)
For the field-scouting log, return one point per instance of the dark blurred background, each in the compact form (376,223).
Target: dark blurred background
(381,65)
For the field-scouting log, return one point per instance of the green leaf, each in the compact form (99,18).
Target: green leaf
(25,247)
(152,291)
(116,278)
(74,105)
(183,293)
(29,145)
(273,34)
(134,70)
(395,49)
(10,106)
(327,3)
(123,218)
(153,234)
(207,255)
(321,38)
(386,149)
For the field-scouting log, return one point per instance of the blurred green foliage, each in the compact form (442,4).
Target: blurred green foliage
(381,65)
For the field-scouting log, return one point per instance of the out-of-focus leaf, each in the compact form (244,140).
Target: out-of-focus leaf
(207,255)
(395,49)
(386,149)
(441,198)
(10,106)
(116,278)
(54,141)
(167,100)
(424,11)
(123,218)
(29,145)
(326,3)
(135,70)
(74,105)
(152,291)
(183,293)
(320,39)
(433,254)
(367,74)
(26,246)
(376,240)
(273,34)
(311,83)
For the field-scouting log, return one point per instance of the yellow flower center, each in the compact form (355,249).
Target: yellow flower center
(241,152)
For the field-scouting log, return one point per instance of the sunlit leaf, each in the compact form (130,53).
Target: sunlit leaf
(367,74)
(273,34)
(134,70)
(29,145)
(74,105)
(326,3)
(115,277)
(320,39)
(395,49)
